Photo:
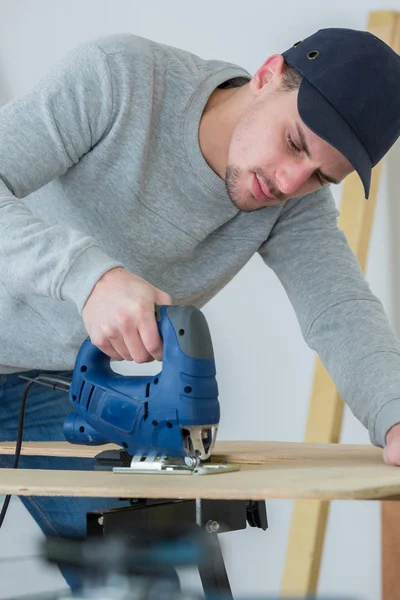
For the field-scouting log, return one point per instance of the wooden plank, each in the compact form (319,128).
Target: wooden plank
(390,550)
(251,452)
(390,511)
(309,520)
(313,471)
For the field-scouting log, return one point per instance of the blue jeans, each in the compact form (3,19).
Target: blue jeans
(45,412)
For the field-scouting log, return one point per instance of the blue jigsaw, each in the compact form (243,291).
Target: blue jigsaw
(164,422)
(174,413)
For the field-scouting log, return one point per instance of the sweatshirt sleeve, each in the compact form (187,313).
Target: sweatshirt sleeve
(339,316)
(42,135)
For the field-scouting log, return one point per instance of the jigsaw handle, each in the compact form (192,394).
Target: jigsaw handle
(186,323)
(187,353)
(189,326)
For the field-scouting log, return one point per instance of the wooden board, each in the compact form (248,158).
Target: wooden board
(251,452)
(268,470)
(390,550)
(390,511)
(309,520)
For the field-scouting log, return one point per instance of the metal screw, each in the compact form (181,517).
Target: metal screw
(191,462)
(212,526)
(100,520)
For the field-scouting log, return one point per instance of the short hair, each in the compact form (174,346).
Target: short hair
(291,79)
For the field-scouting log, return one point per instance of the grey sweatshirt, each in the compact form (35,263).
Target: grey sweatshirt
(100,166)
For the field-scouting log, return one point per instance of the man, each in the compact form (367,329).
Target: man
(138,174)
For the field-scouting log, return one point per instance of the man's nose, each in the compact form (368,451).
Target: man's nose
(291,176)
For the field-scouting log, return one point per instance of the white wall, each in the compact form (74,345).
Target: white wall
(264,367)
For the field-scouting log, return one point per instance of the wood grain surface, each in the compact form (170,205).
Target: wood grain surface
(267,470)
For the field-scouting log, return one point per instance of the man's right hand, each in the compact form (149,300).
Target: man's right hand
(120,319)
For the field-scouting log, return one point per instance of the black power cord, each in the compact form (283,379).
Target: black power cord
(56,382)
(18,446)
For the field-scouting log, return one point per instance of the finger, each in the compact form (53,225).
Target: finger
(136,347)
(391,452)
(148,331)
(163,298)
(120,348)
(387,456)
(391,455)
(108,349)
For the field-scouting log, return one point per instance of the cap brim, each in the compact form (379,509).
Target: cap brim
(323,119)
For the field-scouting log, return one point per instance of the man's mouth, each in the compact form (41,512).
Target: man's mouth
(261,191)
(265,189)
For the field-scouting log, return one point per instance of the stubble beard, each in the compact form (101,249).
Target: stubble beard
(245,200)
(241,200)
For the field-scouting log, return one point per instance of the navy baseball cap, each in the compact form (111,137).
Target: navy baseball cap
(349,94)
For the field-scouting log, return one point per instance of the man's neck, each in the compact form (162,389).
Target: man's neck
(218,120)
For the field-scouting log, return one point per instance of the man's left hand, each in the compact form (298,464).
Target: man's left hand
(391,452)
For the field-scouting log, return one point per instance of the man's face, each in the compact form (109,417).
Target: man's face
(274,156)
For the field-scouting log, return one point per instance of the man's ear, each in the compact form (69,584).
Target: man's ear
(269,74)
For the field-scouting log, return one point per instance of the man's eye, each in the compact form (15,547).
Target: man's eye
(298,150)
(292,145)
